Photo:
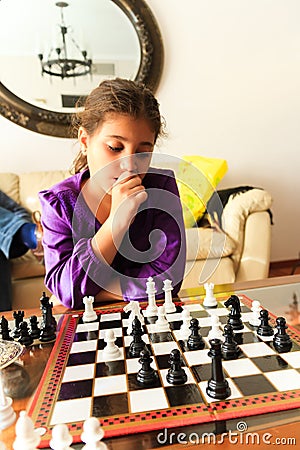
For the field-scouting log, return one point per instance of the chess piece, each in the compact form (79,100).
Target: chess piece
(19,317)
(209,299)
(48,325)
(234,318)
(215,332)
(46,307)
(282,341)
(217,386)
(161,325)
(89,314)
(255,308)
(135,311)
(111,350)
(61,437)
(27,438)
(25,338)
(92,435)
(264,328)
(151,309)
(34,327)
(185,327)
(195,341)
(168,304)
(4,330)
(7,414)
(230,349)
(137,344)
(176,374)
(146,376)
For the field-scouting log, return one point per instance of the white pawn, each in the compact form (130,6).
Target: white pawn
(61,437)
(162,324)
(209,299)
(7,414)
(215,332)
(92,435)
(186,322)
(168,304)
(89,314)
(151,309)
(111,350)
(27,438)
(255,308)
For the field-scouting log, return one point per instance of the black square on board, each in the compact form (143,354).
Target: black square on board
(186,394)
(253,385)
(110,405)
(75,389)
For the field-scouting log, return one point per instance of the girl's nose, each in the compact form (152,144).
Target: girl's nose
(128,163)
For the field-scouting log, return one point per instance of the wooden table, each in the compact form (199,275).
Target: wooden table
(278,429)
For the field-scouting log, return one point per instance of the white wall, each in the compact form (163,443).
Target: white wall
(230,89)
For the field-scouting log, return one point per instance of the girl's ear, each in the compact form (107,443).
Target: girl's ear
(82,138)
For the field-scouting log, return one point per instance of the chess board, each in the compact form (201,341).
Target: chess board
(80,382)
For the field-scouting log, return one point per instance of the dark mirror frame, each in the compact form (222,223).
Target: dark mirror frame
(57,124)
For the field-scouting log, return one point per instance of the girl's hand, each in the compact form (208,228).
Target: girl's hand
(127,195)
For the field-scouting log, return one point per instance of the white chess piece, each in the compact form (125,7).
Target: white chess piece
(89,314)
(186,322)
(209,299)
(215,332)
(111,350)
(255,308)
(27,438)
(92,435)
(135,311)
(61,437)
(151,309)
(161,324)
(7,414)
(168,304)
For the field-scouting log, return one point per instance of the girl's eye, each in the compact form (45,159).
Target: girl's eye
(115,149)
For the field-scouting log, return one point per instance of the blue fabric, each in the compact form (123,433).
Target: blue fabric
(12,217)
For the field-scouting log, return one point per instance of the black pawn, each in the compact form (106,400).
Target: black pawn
(217,386)
(195,341)
(176,374)
(264,329)
(34,327)
(4,330)
(137,344)
(282,341)
(230,349)
(18,316)
(146,375)
(234,317)
(25,338)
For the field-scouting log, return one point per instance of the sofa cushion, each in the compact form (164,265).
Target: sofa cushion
(26,266)
(208,243)
(9,183)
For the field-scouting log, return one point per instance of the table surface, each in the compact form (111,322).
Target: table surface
(280,429)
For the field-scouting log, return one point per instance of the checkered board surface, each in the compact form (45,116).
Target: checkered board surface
(79,382)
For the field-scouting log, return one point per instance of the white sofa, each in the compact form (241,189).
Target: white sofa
(240,252)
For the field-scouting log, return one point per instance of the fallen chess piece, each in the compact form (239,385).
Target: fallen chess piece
(92,435)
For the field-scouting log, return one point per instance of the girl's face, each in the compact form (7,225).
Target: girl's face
(121,144)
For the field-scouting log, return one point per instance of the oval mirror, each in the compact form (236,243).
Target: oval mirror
(120,37)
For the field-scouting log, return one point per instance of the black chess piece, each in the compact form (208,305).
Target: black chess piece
(4,330)
(19,317)
(146,375)
(137,344)
(46,307)
(176,374)
(230,349)
(264,329)
(217,386)
(234,317)
(48,325)
(25,338)
(34,327)
(195,340)
(282,341)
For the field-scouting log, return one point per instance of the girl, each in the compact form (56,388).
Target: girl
(117,221)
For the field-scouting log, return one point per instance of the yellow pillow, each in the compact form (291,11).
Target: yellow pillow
(197,177)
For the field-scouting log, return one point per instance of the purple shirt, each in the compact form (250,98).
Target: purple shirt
(153,246)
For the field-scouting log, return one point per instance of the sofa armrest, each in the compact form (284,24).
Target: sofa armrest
(255,257)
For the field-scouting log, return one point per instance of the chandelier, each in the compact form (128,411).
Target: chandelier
(58,64)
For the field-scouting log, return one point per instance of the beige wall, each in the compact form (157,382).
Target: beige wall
(230,89)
